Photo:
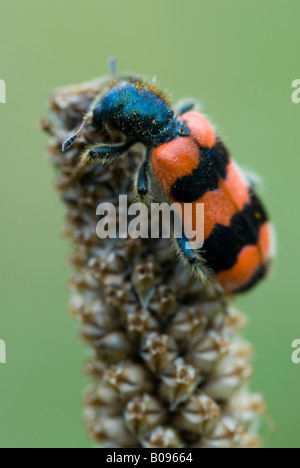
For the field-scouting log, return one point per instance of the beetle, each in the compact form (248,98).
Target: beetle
(187,163)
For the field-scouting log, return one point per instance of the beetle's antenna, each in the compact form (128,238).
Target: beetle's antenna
(112,65)
(69,142)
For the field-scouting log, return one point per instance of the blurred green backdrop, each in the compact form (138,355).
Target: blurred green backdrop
(239,59)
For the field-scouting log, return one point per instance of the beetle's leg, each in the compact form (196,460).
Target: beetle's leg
(192,258)
(188,255)
(142,184)
(186,250)
(104,154)
(185,106)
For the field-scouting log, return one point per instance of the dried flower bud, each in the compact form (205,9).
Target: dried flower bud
(199,414)
(77,259)
(116,296)
(74,217)
(106,263)
(140,323)
(104,399)
(226,434)
(85,236)
(180,382)
(247,407)
(114,347)
(143,413)
(92,314)
(228,378)
(111,432)
(94,368)
(162,437)
(187,325)
(159,351)
(235,322)
(129,379)
(131,248)
(208,352)
(83,282)
(163,302)
(143,279)
(241,349)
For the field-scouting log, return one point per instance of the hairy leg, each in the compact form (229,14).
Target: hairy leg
(104,154)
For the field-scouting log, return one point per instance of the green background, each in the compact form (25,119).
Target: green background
(239,59)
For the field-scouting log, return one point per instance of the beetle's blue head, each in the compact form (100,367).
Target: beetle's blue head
(137,110)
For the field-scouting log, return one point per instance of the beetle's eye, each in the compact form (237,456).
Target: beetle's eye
(98,114)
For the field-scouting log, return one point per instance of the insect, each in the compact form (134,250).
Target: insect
(188,163)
